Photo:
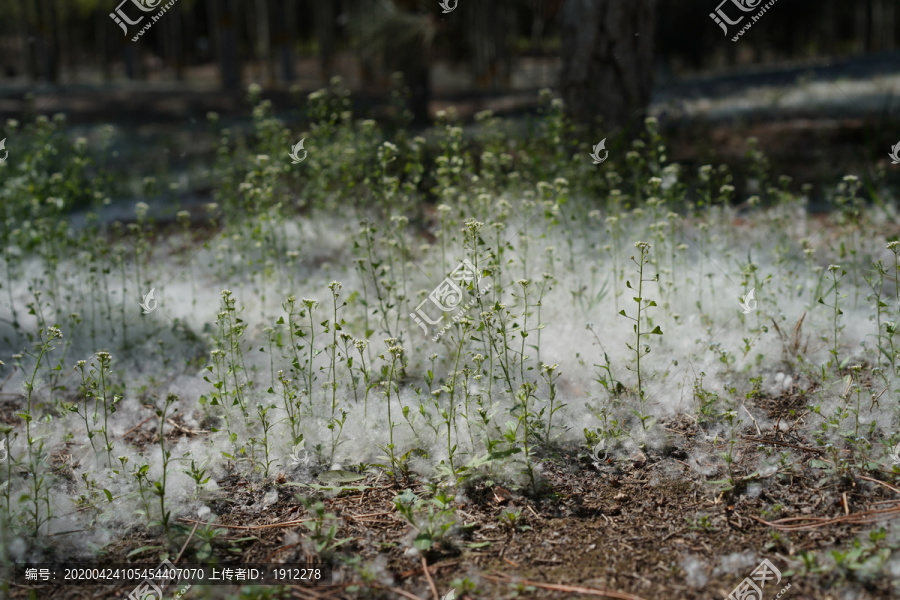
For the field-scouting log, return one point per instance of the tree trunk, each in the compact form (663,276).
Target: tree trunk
(285,28)
(883,20)
(26,31)
(131,55)
(828,31)
(48,40)
(324,19)
(363,12)
(175,42)
(408,54)
(264,43)
(103,43)
(607,53)
(537,27)
(487,25)
(863,26)
(224,15)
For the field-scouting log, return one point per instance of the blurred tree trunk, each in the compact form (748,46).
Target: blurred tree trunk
(407,44)
(174,42)
(607,53)
(224,15)
(829,29)
(264,42)
(883,17)
(890,24)
(103,42)
(863,25)
(27,41)
(284,13)
(487,27)
(400,34)
(131,55)
(362,12)
(537,26)
(324,20)
(48,40)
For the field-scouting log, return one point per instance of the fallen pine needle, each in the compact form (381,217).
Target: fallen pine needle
(397,591)
(272,526)
(575,589)
(135,427)
(777,443)
(431,568)
(186,542)
(381,514)
(280,550)
(866,516)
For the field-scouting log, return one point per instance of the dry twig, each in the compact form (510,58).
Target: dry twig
(430,580)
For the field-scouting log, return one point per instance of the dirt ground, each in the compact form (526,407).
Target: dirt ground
(618,529)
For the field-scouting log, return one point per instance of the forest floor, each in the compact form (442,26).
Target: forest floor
(668,520)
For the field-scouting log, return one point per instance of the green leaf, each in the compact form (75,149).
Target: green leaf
(656,331)
(422,541)
(143,549)
(339,477)
(109,496)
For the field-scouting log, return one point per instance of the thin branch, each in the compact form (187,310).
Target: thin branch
(430,580)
